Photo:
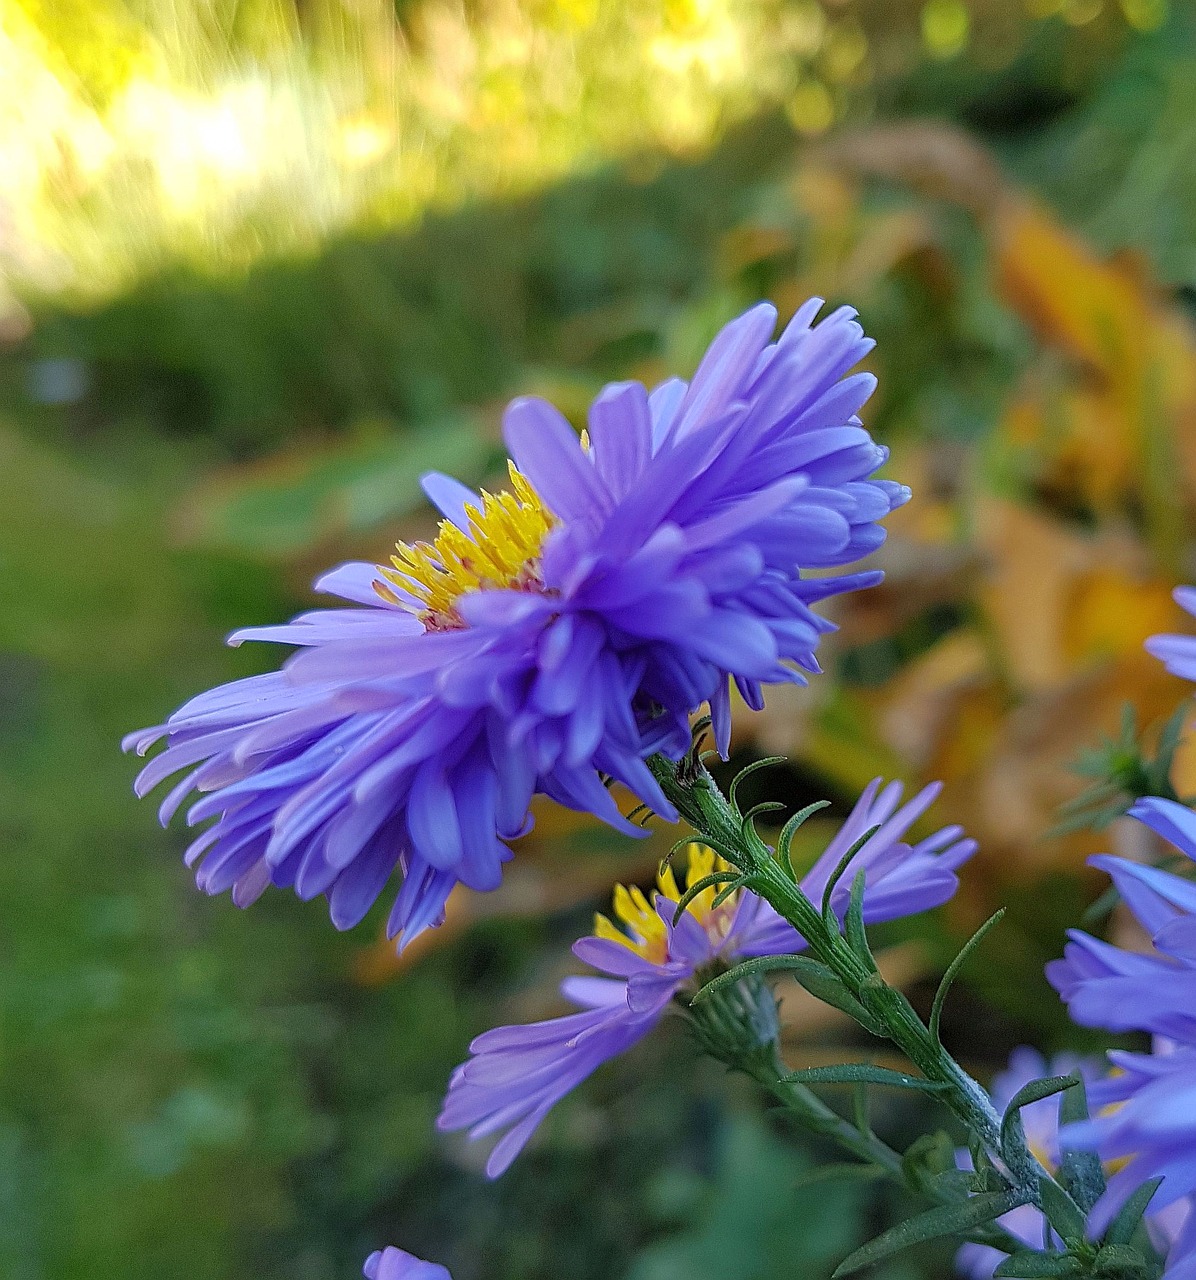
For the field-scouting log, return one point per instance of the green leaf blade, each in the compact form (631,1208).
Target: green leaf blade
(946,1220)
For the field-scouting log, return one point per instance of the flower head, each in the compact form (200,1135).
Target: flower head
(517,1074)
(551,638)
(397,1264)
(1145,1112)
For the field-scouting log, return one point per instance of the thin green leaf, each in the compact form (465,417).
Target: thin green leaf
(940,996)
(1121,1262)
(946,1220)
(1061,1210)
(1037,1090)
(817,979)
(1033,1092)
(865,1073)
(749,818)
(728,889)
(853,925)
(987,1179)
(1102,907)
(1122,1228)
(706,882)
(760,964)
(745,773)
(861,1108)
(844,862)
(848,1172)
(789,830)
(1080,1172)
(1028,1265)
(822,984)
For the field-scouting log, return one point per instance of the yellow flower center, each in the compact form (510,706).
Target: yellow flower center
(646,933)
(501,549)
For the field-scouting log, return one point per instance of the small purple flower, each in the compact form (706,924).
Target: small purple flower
(517,1074)
(1144,1115)
(551,638)
(1177,652)
(397,1264)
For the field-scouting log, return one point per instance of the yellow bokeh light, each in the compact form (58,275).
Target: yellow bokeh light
(1081,12)
(845,51)
(946,26)
(810,109)
(803,28)
(363,141)
(1145,15)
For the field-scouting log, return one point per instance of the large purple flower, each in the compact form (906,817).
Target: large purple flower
(551,638)
(397,1264)
(517,1074)
(1144,1115)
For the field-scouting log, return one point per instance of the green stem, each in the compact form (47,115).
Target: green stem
(697,797)
(805,1106)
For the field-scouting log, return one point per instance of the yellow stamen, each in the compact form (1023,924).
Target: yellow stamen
(645,933)
(501,549)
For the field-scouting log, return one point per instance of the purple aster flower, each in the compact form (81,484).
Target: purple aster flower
(1144,1115)
(517,1074)
(1177,652)
(1106,986)
(397,1264)
(551,638)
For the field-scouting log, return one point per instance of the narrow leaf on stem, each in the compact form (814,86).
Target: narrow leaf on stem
(865,1073)
(946,1220)
(940,996)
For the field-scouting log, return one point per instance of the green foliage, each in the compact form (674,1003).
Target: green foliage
(368,480)
(1129,1218)
(947,1220)
(1028,1266)
(759,1219)
(1123,770)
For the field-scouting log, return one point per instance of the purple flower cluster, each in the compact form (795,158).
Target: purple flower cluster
(517,1074)
(1144,1113)
(551,638)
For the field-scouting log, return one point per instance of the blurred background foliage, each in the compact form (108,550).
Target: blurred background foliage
(262,263)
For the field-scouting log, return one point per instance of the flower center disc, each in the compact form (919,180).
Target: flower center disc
(647,935)
(500,550)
